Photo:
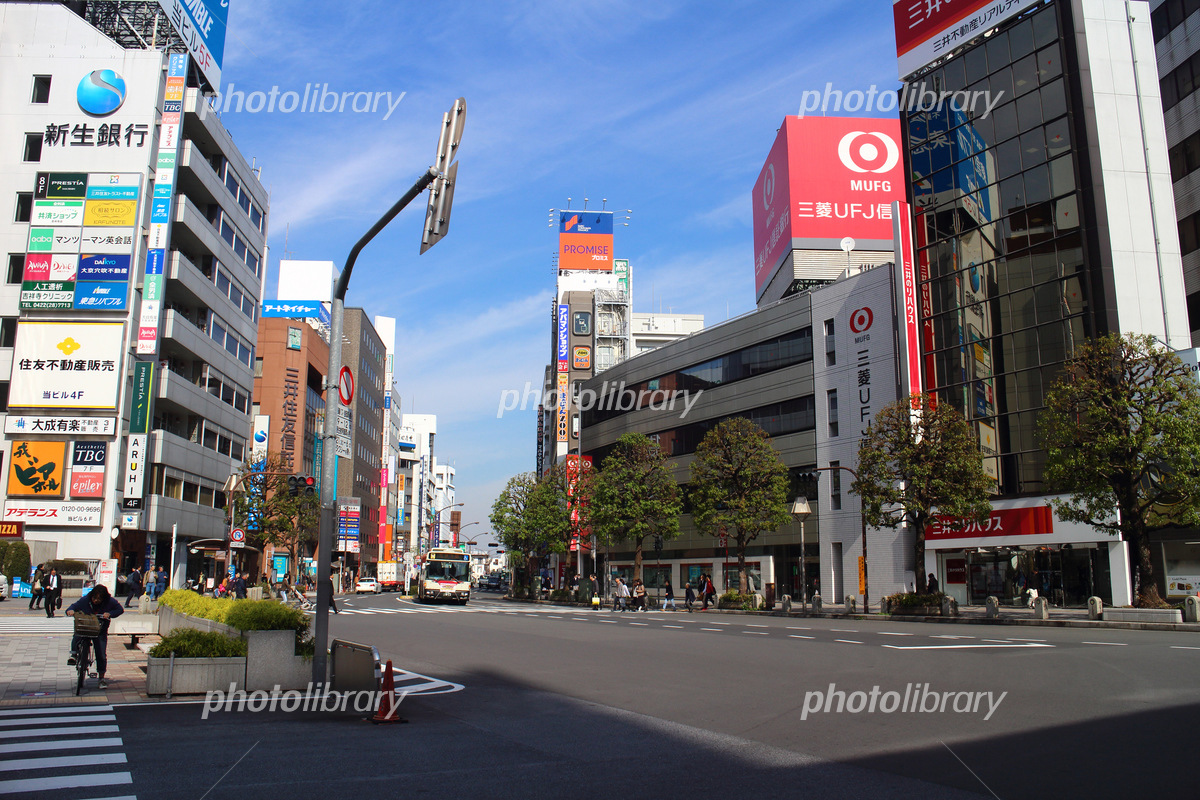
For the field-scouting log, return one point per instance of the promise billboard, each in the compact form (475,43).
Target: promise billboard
(585,240)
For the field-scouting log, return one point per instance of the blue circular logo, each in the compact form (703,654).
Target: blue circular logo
(101,92)
(260,437)
(975,278)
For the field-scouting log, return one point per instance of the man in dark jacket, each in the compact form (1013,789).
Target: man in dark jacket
(134,584)
(51,591)
(99,602)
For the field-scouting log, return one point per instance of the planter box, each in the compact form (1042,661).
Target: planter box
(169,619)
(271,661)
(195,675)
(916,611)
(1142,615)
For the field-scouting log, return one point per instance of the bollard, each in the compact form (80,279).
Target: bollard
(1041,608)
(1191,609)
(787,604)
(1095,608)
(993,608)
(850,603)
(949,607)
(816,603)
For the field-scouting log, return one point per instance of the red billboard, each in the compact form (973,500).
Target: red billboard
(926,30)
(585,240)
(1027,521)
(826,178)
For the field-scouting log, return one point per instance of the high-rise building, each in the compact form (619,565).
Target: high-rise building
(651,331)
(1041,218)
(135,234)
(360,476)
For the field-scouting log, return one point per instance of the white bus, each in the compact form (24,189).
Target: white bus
(445,575)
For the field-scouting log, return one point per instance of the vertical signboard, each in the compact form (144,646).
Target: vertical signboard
(906,301)
(562,333)
(562,403)
(201,24)
(161,207)
(87,469)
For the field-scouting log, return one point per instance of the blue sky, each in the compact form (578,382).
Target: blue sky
(666,108)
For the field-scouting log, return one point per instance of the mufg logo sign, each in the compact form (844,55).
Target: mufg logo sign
(101,92)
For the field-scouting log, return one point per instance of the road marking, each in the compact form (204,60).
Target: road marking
(18,712)
(753,625)
(58,762)
(714,630)
(847,641)
(948,636)
(64,782)
(673,626)
(995,641)
(757,633)
(82,729)
(798,628)
(57,721)
(959,646)
(842,630)
(610,621)
(798,636)
(643,624)
(72,744)
(891,633)
(1111,644)
(581,619)
(1015,639)
(553,616)
(414,683)
(720,623)
(1183,647)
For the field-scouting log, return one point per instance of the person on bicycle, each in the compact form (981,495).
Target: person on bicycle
(99,602)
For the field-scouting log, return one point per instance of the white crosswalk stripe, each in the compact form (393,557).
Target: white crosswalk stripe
(37,624)
(60,753)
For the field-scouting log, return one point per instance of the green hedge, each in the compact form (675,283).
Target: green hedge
(194,605)
(245,615)
(910,599)
(731,599)
(16,561)
(191,643)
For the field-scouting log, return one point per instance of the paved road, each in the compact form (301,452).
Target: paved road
(517,701)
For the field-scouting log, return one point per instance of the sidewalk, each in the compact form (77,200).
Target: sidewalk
(969,615)
(34,669)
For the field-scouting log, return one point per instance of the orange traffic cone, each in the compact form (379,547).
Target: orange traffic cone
(386,711)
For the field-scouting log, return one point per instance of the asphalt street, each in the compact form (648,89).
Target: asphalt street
(512,700)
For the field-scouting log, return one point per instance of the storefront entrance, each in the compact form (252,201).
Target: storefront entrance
(1065,575)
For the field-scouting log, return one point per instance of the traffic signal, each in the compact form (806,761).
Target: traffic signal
(658,543)
(294,485)
(309,487)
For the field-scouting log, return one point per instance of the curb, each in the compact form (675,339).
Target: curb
(1185,627)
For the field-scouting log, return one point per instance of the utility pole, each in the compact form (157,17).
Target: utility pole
(437,221)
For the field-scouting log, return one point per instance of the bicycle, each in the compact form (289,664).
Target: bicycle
(87,630)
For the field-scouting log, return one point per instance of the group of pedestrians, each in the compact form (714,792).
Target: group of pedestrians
(152,584)
(45,588)
(633,597)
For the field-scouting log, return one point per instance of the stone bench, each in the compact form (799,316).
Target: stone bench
(1167,615)
(134,626)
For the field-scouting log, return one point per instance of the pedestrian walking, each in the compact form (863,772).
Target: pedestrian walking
(134,584)
(622,595)
(708,590)
(238,586)
(668,596)
(52,591)
(160,582)
(593,586)
(36,588)
(639,595)
(932,583)
(689,597)
(332,602)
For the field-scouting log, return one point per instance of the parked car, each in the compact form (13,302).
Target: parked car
(3,587)
(367,585)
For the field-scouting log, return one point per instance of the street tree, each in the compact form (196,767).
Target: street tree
(739,486)
(633,496)
(513,521)
(920,455)
(270,515)
(1122,437)
(548,512)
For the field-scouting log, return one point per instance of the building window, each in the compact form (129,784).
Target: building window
(833,413)
(24,207)
(41,89)
(1170,15)
(8,331)
(3,395)
(16,267)
(830,344)
(835,486)
(33,147)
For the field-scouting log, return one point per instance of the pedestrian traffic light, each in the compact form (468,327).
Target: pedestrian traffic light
(309,486)
(294,485)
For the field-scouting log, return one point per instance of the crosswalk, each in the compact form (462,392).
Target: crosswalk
(63,753)
(37,624)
